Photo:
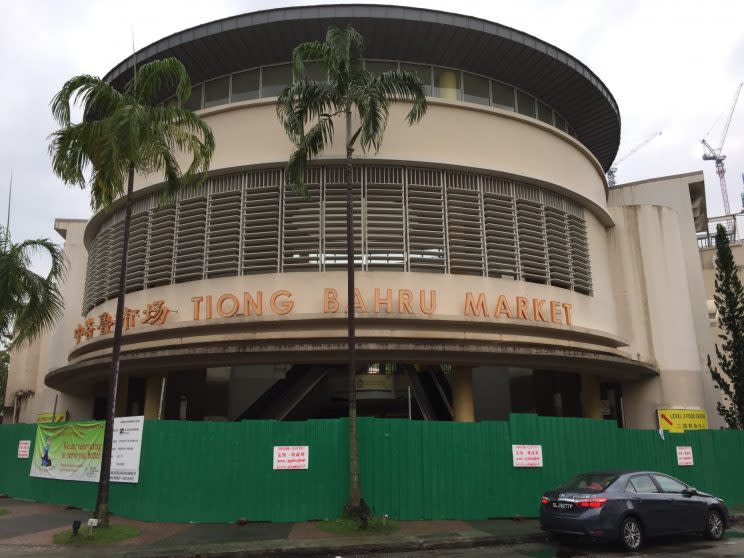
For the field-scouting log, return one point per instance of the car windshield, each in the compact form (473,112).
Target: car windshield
(591,482)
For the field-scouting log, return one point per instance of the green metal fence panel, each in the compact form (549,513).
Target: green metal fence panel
(217,472)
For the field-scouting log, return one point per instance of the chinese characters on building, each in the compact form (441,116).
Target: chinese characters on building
(154,313)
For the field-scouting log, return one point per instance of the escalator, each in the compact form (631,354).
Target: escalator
(432,393)
(279,400)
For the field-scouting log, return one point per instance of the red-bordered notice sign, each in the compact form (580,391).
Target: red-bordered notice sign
(527,456)
(684,456)
(24,448)
(291,457)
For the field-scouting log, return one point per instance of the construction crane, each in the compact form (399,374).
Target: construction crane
(613,169)
(718,156)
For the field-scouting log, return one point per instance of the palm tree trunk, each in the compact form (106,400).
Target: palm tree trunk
(102,501)
(355,491)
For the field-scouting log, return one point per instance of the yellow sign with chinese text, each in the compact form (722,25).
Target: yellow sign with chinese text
(680,420)
(48,417)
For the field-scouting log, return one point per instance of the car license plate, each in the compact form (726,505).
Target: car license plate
(563,506)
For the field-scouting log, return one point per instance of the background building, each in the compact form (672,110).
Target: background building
(496,271)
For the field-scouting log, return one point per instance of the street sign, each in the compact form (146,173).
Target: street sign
(679,420)
(291,457)
(684,456)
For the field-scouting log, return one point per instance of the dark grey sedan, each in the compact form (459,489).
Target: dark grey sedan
(631,506)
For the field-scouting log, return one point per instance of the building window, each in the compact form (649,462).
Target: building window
(447,83)
(377,67)
(274,79)
(544,113)
(525,104)
(502,95)
(217,92)
(475,89)
(245,86)
(424,74)
(194,102)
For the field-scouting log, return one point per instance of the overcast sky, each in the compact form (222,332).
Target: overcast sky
(673,66)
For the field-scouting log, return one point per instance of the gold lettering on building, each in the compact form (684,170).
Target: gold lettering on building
(555,312)
(197,300)
(330,301)
(233,307)
(385,301)
(281,307)
(431,307)
(249,303)
(404,301)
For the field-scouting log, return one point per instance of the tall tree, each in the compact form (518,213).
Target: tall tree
(29,303)
(362,101)
(122,132)
(4,362)
(728,376)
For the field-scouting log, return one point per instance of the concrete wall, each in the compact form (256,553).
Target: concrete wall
(661,295)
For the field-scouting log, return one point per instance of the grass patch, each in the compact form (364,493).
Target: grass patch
(3,511)
(376,525)
(101,535)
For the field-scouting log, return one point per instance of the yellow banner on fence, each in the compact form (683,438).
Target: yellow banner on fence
(679,420)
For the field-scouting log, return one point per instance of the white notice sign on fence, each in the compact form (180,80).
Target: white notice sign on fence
(684,456)
(291,457)
(24,448)
(527,456)
(125,449)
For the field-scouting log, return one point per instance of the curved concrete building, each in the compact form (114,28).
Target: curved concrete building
(496,272)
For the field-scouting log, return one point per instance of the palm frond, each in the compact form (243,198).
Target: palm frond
(304,52)
(304,101)
(96,97)
(310,145)
(155,77)
(404,86)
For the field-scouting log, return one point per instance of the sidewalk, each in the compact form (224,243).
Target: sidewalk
(29,527)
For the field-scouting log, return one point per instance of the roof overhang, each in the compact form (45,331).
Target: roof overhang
(402,33)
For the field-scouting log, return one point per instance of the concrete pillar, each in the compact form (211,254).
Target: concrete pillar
(152,396)
(122,394)
(462,394)
(590,399)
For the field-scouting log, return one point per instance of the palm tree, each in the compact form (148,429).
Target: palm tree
(349,91)
(29,303)
(122,132)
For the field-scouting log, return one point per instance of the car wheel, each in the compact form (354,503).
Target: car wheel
(631,534)
(714,528)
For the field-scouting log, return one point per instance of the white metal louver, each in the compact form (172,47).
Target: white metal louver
(406,219)
(191,224)
(425,221)
(113,263)
(531,234)
(334,218)
(261,214)
(464,228)
(499,217)
(223,233)
(301,217)
(162,243)
(137,252)
(384,219)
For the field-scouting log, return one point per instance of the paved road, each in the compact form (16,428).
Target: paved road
(690,547)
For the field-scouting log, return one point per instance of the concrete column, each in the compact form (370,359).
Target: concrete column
(462,394)
(590,399)
(122,394)
(152,396)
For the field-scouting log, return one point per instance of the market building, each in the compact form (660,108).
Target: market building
(496,271)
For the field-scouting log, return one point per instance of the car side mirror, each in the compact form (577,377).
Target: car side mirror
(690,491)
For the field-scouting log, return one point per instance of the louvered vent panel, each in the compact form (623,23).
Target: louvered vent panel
(501,236)
(426,241)
(559,259)
(581,268)
(261,208)
(301,226)
(223,241)
(116,245)
(102,267)
(384,214)
(531,239)
(464,230)
(334,218)
(137,252)
(190,239)
(162,242)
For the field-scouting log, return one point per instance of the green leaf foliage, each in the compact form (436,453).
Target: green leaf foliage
(307,109)
(29,303)
(127,128)
(728,376)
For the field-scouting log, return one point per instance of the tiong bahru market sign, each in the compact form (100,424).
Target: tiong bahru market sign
(386,301)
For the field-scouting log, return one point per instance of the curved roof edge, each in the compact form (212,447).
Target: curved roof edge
(242,41)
